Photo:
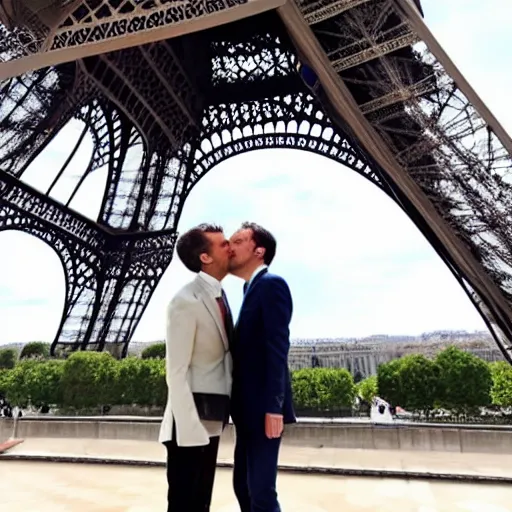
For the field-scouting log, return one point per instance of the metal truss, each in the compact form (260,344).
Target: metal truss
(437,135)
(157,137)
(109,277)
(163,111)
(52,32)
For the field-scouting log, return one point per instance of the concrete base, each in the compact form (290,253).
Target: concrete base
(313,433)
(292,459)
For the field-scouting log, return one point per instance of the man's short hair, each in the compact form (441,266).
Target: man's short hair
(193,243)
(262,238)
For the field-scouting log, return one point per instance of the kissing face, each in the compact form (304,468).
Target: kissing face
(242,247)
(219,253)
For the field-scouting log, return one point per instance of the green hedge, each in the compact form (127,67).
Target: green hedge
(86,381)
(367,388)
(454,380)
(501,391)
(91,380)
(8,358)
(35,349)
(323,389)
(154,351)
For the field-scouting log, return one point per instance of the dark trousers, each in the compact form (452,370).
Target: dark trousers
(190,475)
(255,472)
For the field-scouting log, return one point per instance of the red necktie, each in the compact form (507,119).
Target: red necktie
(223,310)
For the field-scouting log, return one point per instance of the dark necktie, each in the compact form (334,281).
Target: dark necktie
(246,285)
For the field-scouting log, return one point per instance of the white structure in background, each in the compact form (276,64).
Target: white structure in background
(380,411)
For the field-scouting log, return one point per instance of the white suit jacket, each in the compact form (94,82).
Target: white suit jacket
(197,360)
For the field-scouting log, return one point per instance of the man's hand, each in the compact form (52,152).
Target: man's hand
(273,425)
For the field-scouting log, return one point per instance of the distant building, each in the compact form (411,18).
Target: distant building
(363,356)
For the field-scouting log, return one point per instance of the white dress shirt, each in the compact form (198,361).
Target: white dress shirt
(214,285)
(254,274)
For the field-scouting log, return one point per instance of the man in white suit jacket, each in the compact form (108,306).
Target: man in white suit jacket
(198,371)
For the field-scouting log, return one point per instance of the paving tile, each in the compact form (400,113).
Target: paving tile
(42,487)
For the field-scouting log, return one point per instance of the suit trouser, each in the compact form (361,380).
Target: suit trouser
(255,472)
(190,475)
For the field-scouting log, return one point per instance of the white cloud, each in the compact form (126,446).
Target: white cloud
(355,263)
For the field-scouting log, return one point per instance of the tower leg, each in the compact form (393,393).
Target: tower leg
(132,267)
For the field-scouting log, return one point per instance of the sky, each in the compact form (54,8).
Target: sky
(355,263)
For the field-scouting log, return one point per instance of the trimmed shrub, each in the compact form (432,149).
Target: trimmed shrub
(90,380)
(389,384)
(420,383)
(367,389)
(155,351)
(36,383)
(141,382)
(324,389)
(35,349)
(465,381)
(7,358)
(4,381)
(501,390)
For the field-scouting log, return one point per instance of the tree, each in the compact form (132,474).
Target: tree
(46,383)
(35,349)
(342,390)
(367,388)
(157,383)
(155,351)
(4,382)
(7,358)
(501,391)
(323,389)
(19,383)
(36,382)
(89,380)
(389,384)
(465,381)
(420,382)
(141,382)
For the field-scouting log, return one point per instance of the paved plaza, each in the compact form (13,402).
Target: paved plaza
(318,459)
(29,482)
(57,487)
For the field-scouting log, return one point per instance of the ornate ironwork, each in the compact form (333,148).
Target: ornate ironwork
(163,113)
(98,21)
(435,133)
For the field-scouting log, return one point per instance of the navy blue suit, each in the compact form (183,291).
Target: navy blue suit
(261,384)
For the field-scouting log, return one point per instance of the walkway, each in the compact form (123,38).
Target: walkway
(45,487)
(402,464)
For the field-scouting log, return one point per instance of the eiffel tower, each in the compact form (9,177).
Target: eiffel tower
(187,84)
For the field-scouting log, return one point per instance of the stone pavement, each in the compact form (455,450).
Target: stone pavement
(45,487)
(403,464)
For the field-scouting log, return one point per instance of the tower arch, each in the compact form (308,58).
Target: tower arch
(383,81)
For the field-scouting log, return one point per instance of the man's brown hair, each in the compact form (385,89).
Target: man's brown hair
(262,238)
(193,243)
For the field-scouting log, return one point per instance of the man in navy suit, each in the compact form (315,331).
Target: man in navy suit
(261,397)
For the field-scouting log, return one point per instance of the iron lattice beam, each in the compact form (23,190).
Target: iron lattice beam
(159,122)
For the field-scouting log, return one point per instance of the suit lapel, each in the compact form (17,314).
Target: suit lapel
(214,310)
